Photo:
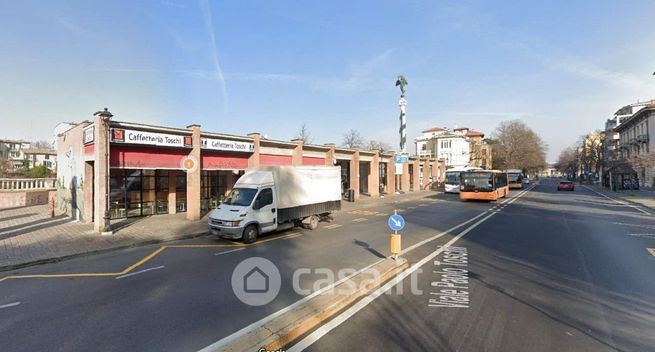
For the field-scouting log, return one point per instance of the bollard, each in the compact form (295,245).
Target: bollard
(52,207)
(394,245)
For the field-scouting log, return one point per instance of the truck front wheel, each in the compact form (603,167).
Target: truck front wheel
(250,234)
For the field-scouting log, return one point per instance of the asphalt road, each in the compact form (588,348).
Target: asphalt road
(551,271)
(546,271)
(180,298)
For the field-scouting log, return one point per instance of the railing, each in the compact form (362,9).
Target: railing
(642,138)
(20,184)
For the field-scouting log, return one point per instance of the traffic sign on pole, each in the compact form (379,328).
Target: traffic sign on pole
(396,222)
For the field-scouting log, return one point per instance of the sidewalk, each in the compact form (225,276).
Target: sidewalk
(28,236)
(642,197)
(367,202)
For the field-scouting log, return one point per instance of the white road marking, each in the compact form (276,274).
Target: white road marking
(139,272)
(9,305)
(642,234)
(230,251)
(250,328)
(323,330)
(619,201)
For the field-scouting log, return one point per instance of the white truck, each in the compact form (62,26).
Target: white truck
(277,198)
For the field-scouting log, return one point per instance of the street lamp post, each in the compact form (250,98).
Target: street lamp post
(106,230)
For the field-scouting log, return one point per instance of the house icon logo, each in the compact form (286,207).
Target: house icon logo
(256,281)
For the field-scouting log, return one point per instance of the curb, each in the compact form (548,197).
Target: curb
(618,197)
(99,251)
(283,330)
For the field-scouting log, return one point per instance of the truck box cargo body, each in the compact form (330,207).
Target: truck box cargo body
(273,198)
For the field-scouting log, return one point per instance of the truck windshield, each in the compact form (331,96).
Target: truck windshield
(241,196)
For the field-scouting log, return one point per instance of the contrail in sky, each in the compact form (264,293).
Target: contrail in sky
(209,27)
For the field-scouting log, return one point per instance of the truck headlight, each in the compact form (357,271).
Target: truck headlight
(233,223)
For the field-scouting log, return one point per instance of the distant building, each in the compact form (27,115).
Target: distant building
(458,148)
(18,154)
(12,153)
(41,156)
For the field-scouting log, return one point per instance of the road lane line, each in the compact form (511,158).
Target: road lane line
(230,251)
(651,251)
(9,305)
(333,226)
(253,326)
(292,235)
(329,326)
(619,201)
(359,219)
(139,272)
(142,261)
(647,235)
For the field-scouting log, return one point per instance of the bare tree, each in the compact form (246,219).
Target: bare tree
(41,144)
(516,146)
(568,161)
(352,139)
(304,134)
(378,145)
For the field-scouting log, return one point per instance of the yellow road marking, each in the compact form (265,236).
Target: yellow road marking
(145,259)
(651,251)
(333,226)
(359,219)
(206,245)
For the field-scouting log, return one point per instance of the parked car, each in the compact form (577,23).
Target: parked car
(565,186)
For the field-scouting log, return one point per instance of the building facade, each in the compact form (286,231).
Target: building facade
(458,148)
(41,157)
(636,146)
(12,153)
(162,170)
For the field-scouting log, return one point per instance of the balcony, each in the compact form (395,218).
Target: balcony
(425,153)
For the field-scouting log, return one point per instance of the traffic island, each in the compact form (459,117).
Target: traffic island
(286,328)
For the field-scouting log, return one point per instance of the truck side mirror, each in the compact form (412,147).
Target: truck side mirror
(257,204)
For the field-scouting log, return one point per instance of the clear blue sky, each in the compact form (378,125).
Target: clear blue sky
(268,66)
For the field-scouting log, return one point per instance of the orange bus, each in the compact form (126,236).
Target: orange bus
(483,185)
(515,177)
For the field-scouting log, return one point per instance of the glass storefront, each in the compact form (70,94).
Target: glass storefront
(144,192)
(214,186)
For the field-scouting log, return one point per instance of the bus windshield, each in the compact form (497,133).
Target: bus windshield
(452,177)
(515,178)
(477,181)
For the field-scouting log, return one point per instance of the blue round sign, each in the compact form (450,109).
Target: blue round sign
(396,222)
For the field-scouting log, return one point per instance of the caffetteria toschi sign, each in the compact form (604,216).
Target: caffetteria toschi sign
(120,135)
